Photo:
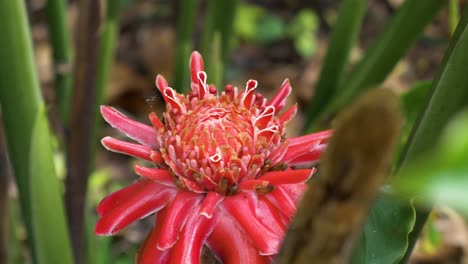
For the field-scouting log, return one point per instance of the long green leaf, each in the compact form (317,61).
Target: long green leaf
(442,173)
(51,237)
(387,50)
(62,53)
(19,95)
(184,46)
(449,95)
(342,39)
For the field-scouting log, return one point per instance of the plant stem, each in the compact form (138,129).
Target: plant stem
(4,201)
(454,15)
(184,45)
(82,121)
(61,49)
(107,49)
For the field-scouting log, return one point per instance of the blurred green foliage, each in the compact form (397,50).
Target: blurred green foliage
(257,25)
(441,174)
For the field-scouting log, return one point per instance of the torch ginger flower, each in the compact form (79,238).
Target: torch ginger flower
(222,173)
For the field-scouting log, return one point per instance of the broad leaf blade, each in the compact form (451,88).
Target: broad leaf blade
(342,39)
(391,45)
(441,175)
(384,239)
(47,210)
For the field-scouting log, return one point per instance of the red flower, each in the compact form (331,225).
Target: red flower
(221,174)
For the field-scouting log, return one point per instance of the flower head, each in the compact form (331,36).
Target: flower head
(222,173)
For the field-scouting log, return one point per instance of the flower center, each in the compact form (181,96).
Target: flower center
(218,142)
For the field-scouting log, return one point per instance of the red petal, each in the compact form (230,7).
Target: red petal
(265,117)
(196,65)
(147,200)
(310,156)
(135,150)
(171,98)
(264,239)
(251,185)
(248,93)
(161,83)
(282,201)
(232,245)
(189,247)
(270,216)
(155,121)
(149,253)
(323,136)
(287,176)
(202,87)
(279,100)
(114,199)
(288,114)
(160,175)
(139,132)
(304,145)
(209,204)
(177,213)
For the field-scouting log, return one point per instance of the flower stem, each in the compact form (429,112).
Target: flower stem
(216,39)
(62,54)
(82,121)
(184,46)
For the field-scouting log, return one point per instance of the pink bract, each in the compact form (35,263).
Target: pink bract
(222,173)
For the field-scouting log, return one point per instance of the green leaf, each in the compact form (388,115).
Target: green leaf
(390,46)
(20,98)
(270,28)
(412,103)
(305,45)
(302,29)
(184,44)
(448,96)
(342,39)
(60,40)
(246,20)
(51,237)
(384,239)
(441,175)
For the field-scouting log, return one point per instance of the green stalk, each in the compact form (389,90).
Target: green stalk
(225,21)
(392,44)
(14,246)
(26,127)
(454,15)
(98,247)
(82,119)
(4,202)
(216,39)
(449,95)
(184,46)
(62,54)
(108,43)
(209,29)
(342,39)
